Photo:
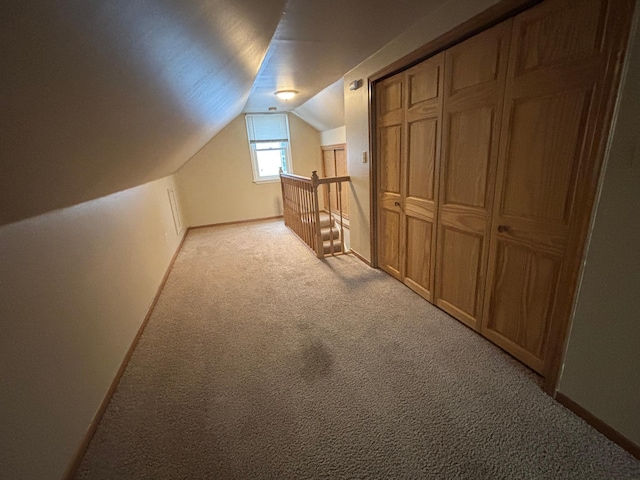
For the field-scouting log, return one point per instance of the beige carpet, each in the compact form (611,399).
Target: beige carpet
(260,361)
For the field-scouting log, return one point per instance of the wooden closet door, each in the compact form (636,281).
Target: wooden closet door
(420,186)
(551,143)
(389,128)
(409,112)
(475,72)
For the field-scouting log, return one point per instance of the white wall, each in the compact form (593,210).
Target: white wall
(440,21)
(335,136)
(602,365)
(217,183)
(75,287)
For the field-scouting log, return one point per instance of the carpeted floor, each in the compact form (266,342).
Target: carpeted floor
(261,361)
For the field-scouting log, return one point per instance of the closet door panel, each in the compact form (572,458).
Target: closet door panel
(389,240)
(469,157)
(418,272)
(423,124)
(390,153)
(390,137)
(422,159)
(526,279)
(543,158)
(553,117)
(473,86)
(458,293)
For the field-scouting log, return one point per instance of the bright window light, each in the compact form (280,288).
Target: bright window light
(268,136)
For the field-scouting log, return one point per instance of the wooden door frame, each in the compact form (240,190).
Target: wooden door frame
(490,17)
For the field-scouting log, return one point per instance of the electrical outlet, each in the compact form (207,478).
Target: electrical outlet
(364,157)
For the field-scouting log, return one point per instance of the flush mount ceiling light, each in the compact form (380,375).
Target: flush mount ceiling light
(286,94)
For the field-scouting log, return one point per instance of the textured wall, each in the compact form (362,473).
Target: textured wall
(217,183)
(75,287)
(603,359)
(335,136)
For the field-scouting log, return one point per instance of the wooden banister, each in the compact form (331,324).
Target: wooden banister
(301,209)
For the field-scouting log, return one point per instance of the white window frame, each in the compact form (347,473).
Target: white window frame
(254,143)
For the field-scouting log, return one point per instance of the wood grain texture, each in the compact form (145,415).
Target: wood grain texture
(612,52)
(550,125)
(334,164)
(473,85)
(423,132)
(553,116)
(407,161)
(458,293)
(407,166)
(389,123)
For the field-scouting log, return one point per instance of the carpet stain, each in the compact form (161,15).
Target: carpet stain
(317,361)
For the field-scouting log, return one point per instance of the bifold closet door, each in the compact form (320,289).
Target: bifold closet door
(389,128)
(551,142)
(475,72)
(409,111)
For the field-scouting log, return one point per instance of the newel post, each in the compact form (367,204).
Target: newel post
(316,212)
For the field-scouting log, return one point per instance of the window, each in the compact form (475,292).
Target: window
(269,144)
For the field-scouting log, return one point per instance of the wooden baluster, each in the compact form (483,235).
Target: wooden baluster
(311,219)
(303,208)
(331,249)
(308,206)
(316,211)
(299,203)
(285,201)
(341,216)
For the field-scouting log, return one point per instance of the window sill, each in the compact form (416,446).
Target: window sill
(267,180)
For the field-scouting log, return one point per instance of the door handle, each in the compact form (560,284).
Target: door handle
(503,228)
(397,204)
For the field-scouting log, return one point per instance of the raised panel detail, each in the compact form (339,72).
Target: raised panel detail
(390,142)
(389,240)
(423,82)
(543,155)
(390,96)
(419,251)
(474,63)
(523,296)
(421,158)
(467,161)
(556,36)
(459,269)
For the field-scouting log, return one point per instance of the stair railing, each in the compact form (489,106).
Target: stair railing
(301,210)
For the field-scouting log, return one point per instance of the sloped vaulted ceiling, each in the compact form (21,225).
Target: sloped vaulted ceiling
(97,96)
(100,96)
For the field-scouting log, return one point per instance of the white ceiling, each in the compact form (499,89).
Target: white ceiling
(103,95)
(325,110)
(318,41)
